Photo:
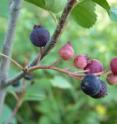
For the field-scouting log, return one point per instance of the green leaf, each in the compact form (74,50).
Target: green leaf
(54,5)
(40,3)
(4,8)
(44,120)
(60,82)
(103,3)
(6,114)
(113,14)
(34,93)
(50,5)
(84,13)
(111,11)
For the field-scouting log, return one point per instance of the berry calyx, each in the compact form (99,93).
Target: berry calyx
(94,66)
(67,51)
(113,65)
(91,85)
(103,90)
(112,79)
(39,36)
(81,61)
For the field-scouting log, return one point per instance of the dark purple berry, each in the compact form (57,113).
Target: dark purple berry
(90,85)
(113,65)
(39,36)
(103,90)
(94,66)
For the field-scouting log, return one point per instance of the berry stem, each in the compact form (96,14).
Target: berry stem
(69,73)
(59,27)
(53,40)
(78,76)
(37,59)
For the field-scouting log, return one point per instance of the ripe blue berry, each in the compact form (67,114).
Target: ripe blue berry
(90,85)
(39,36)
(103,90)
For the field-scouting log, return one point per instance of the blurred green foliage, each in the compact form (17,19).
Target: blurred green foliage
(52,97)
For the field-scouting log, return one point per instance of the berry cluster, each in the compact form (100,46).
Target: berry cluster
(93,68)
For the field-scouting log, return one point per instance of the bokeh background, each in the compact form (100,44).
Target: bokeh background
(52,97)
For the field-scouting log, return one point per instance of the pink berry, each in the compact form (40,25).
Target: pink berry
(113,65)
(67,51)
(81,61)
(94,66)
(112,79)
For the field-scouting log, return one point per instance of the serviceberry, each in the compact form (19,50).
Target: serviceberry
(113,65)
(102,92)
(81,61)
(39,36)
(67,51)
(94,66)
(112,79)
(90,85)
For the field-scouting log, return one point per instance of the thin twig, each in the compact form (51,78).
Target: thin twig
(53,40)
(77,75)
(38,57)
(59,27)
(18,104)
(7,46)
(71,74)
(13,61)
(8,42)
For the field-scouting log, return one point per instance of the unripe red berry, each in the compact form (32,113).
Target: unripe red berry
(113,65)
(81,61)
(67,51)
(39,36)
(94,66)
(112,79)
